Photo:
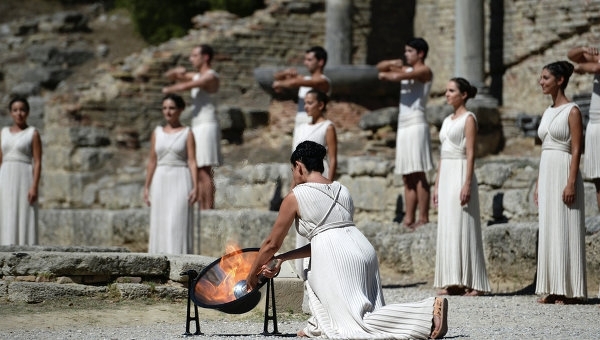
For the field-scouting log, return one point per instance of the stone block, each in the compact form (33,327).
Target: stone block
(132,291)
(179,264)
(31,292)
(493,174)
(371,193)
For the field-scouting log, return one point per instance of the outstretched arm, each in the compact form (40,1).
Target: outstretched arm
(208,82)
(390,65)
(318,83)
(583,54)
(421,73)
(285,218)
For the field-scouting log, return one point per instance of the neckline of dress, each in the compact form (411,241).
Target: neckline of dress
(18,132)
(172,133)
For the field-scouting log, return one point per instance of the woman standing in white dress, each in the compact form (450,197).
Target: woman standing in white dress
(171,183)
(559,194)
(322,131)
(460,261)
(413,142)
(20,171)
(343,284)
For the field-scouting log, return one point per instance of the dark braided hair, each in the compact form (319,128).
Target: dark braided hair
(561,69)
(311,154)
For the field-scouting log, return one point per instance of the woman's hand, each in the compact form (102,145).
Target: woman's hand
(465,194)
(568,195)
(435,197)
(535,196)
(271,269)
(146,196)
(32,195)
(193,196)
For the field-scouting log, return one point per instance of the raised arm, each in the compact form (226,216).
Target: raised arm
(583,54)
(421,73)
(390,65)
(208,82)
(318,83)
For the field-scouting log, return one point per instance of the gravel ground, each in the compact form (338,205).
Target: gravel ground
(501,316)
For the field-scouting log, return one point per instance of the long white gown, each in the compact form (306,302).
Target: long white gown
(460,260)
(343,284)
(413,141)
(206,128)
(171,216)
(591,164)
(316,133)
(561,246)
(18,219)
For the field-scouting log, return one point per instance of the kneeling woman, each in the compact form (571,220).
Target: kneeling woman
(343,282)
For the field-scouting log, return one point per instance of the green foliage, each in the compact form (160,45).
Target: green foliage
(160,20)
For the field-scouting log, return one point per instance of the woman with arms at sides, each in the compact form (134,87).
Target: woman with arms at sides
(319,130)
(460,260)
(20,172)
(561,272)
(343,282)
(171,183)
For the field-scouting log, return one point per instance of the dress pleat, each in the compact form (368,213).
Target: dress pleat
(343,283)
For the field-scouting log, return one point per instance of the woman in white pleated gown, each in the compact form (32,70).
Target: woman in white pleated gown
(460,260)
(343,281)
(561,272)
(171,183)
(20,171)
(319,130)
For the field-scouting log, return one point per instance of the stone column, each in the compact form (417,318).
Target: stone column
(338,32)
(469,43)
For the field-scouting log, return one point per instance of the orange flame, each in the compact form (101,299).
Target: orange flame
(217,285)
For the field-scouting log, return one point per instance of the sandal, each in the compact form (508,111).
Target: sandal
(440,311)
(549,299)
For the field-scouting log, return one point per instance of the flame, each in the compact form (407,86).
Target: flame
(216,286)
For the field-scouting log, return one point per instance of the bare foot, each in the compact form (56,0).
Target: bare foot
(451,290)
(473,292)
(301,334)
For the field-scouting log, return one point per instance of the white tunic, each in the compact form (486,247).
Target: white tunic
(591,164)
(205,125)
(18,219)
(561,246)
(413,141)
(171,216)
(343,285)
(460,260)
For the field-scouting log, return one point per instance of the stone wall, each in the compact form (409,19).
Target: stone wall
(96,132)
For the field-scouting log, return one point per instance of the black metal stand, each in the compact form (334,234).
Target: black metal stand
(191,274)
(273,316)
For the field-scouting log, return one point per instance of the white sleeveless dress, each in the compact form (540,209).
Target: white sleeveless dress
(343,284)
(316,133)
(460,260)
(301,116)
(205,125)
(18,219)
(171,217)
(413,141)
(591,164)
(561,249)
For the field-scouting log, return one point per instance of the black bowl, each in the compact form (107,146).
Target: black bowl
(206,286)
